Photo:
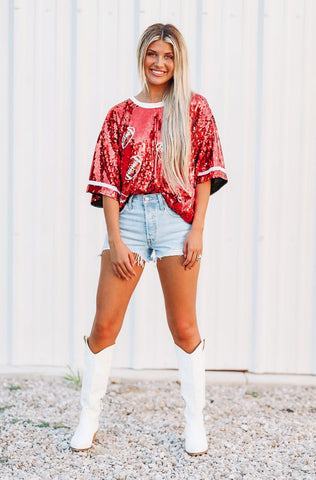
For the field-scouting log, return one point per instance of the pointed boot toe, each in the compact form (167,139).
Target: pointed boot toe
(85,433)
(195,438)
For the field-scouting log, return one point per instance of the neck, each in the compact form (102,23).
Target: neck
(154,95)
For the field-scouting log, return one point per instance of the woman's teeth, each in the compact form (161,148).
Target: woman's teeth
(157,72)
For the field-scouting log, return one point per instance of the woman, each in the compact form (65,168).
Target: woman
(154,201)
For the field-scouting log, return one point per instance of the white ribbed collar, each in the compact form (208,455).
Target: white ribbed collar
(146,104)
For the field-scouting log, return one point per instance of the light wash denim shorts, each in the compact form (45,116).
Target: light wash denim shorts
(150,228)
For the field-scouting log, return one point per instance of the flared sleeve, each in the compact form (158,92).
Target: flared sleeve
(105,178)
(209,160)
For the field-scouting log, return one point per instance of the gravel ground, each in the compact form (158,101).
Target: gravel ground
(255,432)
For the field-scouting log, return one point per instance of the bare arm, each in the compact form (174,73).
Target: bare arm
(121,256)
(193,244)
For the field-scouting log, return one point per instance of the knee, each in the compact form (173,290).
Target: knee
(105,327)
(184,330)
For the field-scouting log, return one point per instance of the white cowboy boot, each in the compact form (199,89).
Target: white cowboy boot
(192,375)
(95,378)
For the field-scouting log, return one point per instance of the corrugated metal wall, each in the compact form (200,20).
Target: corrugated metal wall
(64,63)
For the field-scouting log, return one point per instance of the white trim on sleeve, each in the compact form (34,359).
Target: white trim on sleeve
(212,169)
(107,185)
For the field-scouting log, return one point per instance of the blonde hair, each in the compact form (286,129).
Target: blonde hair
(176,131)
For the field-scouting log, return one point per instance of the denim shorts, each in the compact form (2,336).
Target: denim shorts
(150,228)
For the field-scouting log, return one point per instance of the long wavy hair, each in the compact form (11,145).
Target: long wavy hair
(176,132)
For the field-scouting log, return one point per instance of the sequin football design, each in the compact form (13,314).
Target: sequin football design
(128,155)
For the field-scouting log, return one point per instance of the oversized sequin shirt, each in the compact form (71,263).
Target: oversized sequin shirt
(127,156)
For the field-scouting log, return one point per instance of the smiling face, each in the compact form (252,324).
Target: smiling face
(159,63)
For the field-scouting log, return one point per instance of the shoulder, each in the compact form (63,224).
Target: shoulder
(198,100)
(118,115)
(120,107)
(199,106)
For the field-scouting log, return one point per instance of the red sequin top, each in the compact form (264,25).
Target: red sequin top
(127,156)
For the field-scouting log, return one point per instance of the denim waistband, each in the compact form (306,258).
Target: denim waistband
(148,198)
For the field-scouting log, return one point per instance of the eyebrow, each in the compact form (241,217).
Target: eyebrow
(166,53)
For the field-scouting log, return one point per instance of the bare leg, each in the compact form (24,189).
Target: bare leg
(113,296)
(179,288)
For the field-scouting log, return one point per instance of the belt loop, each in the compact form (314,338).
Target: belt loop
(161,201)
(130,202)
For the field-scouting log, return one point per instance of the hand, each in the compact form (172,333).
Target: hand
(192,246)
(122,260)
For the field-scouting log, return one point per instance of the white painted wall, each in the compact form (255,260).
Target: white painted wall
(63,64)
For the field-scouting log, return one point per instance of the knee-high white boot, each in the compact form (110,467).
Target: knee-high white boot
(192,376)
(95,378)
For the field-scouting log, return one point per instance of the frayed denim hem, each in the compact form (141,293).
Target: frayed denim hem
(139,260)
(171,253)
